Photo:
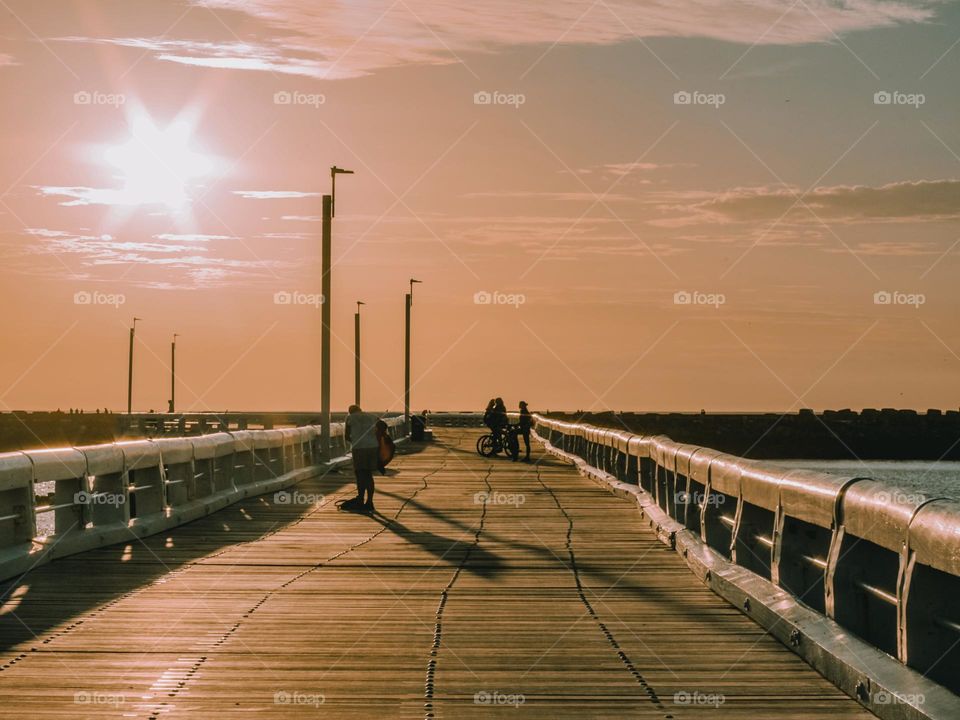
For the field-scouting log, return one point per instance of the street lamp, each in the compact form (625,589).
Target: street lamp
(356,353)
(326,267)
(406,361)
(334,171)
(173,373)
(133,332)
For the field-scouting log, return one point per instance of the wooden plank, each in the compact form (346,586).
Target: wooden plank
(550,598)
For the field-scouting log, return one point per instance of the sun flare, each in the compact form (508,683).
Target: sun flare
(158,166)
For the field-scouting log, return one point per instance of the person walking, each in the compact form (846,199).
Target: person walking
(526,424)
(361,433)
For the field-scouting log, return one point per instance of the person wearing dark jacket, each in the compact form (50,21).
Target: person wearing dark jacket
(488,414)
(526,424)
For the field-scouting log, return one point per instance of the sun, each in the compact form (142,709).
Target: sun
(158,166)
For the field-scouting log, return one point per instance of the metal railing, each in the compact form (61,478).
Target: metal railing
(63,501)
(879,560)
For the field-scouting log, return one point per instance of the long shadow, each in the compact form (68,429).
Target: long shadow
(52,595)
(543,553)
(475,559)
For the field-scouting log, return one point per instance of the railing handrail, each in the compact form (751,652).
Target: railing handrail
(152,485)
(851,536)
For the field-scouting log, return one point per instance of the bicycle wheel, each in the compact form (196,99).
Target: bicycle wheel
(485,446)
(512,445)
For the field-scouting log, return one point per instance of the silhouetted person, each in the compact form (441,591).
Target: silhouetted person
(361,433)
(500,423)
(418,426)
(526,423)
(488,415)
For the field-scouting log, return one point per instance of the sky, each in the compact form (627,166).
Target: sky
(649,205)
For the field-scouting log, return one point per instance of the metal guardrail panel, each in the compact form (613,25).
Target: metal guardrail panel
(61,464)
(16,471)
(879,512)
(140,454)
(935,536)
(102,459)
(208,447)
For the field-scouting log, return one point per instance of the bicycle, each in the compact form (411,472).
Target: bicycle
(507,441)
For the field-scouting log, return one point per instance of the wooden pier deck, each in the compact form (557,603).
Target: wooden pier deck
(548,600)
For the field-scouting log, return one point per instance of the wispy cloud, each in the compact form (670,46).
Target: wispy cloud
(104,248)
(908,201)
(274,194)
(302,218)
(529,195)
(347,39)
(226,55)
(80,196)
(196,265)
(192,237)
(628,168)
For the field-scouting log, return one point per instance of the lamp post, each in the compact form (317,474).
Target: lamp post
(133,332)
(325,263)
(406,356)
(173,373)
(334,171)
(356,353)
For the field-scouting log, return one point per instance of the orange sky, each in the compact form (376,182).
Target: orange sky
(671,206)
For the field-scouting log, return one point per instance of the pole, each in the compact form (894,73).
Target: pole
(325,259)
(406,361)
(173,374)
(130,370)
(356,355)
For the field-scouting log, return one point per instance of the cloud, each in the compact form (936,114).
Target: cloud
(274,194)
(302,218)
(104,248)
(889,248)
(629,168)
(908,201)
(80,196)
(225,55)
(193,237)
(336,40)
(194,263)
(7,60)
(526,195)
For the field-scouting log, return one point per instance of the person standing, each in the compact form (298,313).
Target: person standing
(526,424)
(361,433)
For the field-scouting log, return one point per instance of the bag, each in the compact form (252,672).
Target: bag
(386,447)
